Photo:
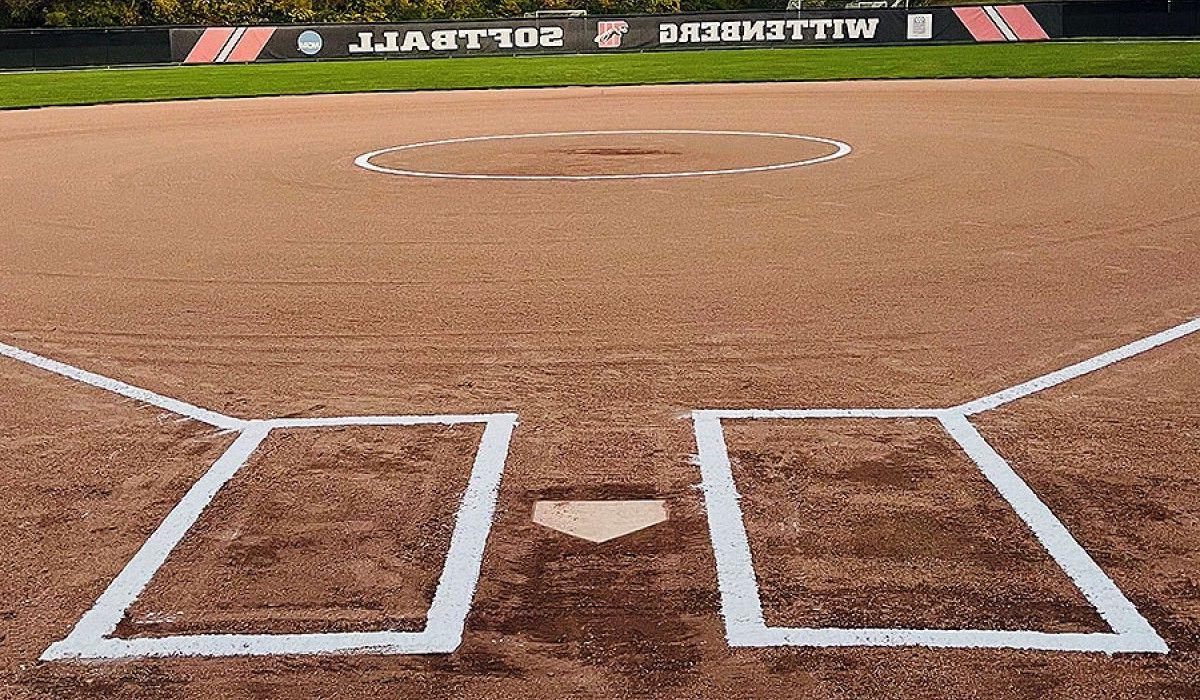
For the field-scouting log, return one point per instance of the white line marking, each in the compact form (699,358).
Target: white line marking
(106,614)
(741,605)
(217,645)
(364,161)
(1078,369)
(447,613)
(112,385)
(1095,585)
(456,586)
(753,413)
(447,419)
(1096,642)
(230,45)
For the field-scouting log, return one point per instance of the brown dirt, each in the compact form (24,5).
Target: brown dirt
(880,523)
(323,530)
(604,153)
(983,232)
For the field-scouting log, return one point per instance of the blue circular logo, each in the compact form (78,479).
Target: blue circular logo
(310,43)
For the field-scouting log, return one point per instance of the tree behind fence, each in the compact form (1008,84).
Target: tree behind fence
(108,13)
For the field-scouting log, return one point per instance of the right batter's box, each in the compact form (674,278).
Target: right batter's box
(905,517)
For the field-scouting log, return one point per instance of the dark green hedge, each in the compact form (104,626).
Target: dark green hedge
(82,13)
(102,13)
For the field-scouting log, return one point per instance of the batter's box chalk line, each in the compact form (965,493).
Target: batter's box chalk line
(741,604)
(91,638)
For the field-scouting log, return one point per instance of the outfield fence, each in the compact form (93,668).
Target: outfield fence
(1039,21)
(64,48)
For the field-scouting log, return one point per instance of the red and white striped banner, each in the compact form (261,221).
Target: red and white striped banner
(230,44)
(1001,23)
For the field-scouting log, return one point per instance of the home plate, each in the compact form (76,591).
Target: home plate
(599,521)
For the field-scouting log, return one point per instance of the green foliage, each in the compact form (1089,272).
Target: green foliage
(719,5)
(92,13)
(21,13)
(79,13)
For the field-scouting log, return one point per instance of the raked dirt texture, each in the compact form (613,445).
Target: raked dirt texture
(231,254)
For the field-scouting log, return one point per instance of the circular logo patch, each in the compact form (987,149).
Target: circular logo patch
(310,43)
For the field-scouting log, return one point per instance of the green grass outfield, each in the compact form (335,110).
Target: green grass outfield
(1085,59)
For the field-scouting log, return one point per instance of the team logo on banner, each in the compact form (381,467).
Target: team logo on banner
(920,26)
(609,33)
(310,43)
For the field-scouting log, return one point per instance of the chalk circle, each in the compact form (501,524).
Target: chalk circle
(841,149)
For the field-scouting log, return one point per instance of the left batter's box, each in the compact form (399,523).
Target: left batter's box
(92,637)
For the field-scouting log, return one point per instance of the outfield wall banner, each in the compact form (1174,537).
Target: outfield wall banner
(292,43)
(984,23)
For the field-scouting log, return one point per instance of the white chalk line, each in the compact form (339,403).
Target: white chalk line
(741,605)
(1072,558)
(737,579)
(121,388)
(90,637)
(1079,369)
(445,620)
(106,614)
(796,413)
(346,421)
(223,645)
(841,149)
(447,614)
(1095,642)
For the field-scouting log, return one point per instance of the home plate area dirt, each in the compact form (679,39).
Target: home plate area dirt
(351,397)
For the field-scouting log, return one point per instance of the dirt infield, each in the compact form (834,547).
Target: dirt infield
(230,254)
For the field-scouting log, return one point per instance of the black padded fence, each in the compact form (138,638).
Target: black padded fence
(1132,18)
(60,48)
(599,35)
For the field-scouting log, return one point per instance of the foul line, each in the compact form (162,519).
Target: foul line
(203,415)
(740,601)
(91,638)
(737,580)
(1078,369)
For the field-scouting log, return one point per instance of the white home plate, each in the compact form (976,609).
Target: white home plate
(599,521)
